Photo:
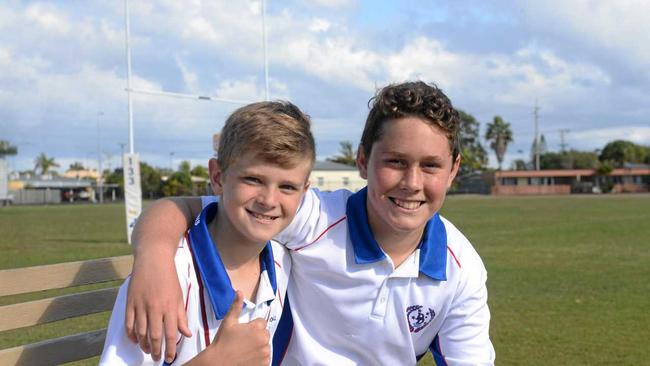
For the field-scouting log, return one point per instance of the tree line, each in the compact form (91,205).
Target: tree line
(498,134)
(157,182)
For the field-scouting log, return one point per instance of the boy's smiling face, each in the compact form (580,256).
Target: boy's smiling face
(409,171)
(258,199)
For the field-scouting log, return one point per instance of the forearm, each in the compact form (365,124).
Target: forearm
(161,226)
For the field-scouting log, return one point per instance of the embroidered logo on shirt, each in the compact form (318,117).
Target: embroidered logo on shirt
(418,317)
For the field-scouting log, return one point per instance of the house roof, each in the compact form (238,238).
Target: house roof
(331,166)
(567,172)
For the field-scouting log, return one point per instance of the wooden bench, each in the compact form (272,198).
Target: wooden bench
(55,276)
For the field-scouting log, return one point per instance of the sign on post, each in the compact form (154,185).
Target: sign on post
(132,191)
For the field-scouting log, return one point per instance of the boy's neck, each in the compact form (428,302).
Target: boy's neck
(398,246)
(234,250)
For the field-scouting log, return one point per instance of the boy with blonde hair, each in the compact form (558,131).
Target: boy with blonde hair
(233,278)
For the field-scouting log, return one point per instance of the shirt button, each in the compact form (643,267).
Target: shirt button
(382,299)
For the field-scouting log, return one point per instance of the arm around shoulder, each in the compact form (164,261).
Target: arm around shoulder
(155,303)
(161,225)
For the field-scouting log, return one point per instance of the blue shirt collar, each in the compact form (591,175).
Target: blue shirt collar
(433,247)
(213,273)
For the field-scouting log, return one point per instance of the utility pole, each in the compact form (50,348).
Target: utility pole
(562,143)
(266,57)
(122,144)
(536,114)
(100,177)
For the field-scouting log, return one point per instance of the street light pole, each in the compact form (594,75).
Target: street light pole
(100,175)
(128,77)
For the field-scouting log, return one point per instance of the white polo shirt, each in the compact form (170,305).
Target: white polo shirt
(350,306)
(208,294)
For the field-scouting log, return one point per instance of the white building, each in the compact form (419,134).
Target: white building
(329,176)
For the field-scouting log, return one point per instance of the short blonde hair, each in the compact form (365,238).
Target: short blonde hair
(277,132)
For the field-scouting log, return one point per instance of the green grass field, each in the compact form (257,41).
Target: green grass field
(568,276)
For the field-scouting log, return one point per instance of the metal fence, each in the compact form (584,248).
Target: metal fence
(36,196)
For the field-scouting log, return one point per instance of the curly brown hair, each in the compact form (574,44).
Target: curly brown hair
(411,99)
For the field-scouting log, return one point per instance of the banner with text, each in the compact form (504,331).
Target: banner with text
(132,191)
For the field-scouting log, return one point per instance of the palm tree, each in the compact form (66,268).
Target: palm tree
(346,155)
(44,163)
(500,135)
(7,149)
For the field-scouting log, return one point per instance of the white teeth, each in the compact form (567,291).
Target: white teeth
(262,217)
(409,205)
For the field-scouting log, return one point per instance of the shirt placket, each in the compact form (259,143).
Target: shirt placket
(408,269)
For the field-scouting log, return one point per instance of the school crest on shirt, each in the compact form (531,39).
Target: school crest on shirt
(418,317)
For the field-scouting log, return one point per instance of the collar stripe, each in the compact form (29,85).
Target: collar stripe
(433,247)
(204,316)
(214,275)
(454,256)
(323,233)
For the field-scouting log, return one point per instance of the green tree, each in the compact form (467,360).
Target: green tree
(185,167)
(519,164)
(474,156)
(571,159)
(621,151)
(7,149)
(604,179)
(43,163)
(346,156)
(500,135)
(178,184)
(199,171)
(116,177)
(583,159)
(76,166)
(150,181)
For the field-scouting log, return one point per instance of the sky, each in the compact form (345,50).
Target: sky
(63,70)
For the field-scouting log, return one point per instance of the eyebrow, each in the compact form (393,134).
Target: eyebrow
(435,158)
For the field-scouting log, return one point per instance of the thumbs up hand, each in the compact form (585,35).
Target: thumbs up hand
(237,343)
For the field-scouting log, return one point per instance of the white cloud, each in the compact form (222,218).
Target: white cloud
(240,89)
(48,17)
(320,25)
(332,3)
(620,28)
(601,136)
(190,78)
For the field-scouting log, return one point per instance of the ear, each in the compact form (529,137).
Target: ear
(454,170)
(362,163)
(216,176)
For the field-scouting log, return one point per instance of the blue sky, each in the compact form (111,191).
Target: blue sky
(63,69)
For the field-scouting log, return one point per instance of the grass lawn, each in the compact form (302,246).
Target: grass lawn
(568,276)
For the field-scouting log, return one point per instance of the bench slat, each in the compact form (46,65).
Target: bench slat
(38,278)
(56,308)
(56,351)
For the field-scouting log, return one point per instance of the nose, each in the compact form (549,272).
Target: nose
(267,197)
(412,179)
